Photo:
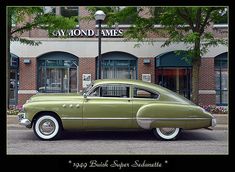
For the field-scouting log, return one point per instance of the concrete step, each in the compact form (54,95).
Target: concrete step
(221,118)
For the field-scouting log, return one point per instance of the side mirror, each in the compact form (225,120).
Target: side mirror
(85,95)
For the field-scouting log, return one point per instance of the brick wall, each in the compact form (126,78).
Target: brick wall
(86,66)
(84,24)
(22,98)
(146,68)
(207,99)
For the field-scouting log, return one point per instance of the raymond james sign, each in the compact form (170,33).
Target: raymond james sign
(88,33)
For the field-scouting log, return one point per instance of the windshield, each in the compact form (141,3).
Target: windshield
(88,87)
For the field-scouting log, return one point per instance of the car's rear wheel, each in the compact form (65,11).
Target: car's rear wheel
(47,127)
(167,133)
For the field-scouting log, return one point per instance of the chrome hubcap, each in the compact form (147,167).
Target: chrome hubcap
(47,127)
(167,131)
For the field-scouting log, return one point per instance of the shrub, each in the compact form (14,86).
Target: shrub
(14,110)
(215,109)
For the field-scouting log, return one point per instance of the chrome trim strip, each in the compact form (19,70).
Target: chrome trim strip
(142,122)
(80,118)
(146,122)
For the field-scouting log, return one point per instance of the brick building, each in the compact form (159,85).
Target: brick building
(68,65)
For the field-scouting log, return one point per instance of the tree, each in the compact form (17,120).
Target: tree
(180,25)
(38,20)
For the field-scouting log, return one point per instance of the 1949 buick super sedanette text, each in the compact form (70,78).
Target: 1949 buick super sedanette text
(113,105)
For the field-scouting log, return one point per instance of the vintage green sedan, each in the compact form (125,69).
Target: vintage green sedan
(114,105)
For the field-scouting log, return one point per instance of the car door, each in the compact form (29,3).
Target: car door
(108,106)
(142,96)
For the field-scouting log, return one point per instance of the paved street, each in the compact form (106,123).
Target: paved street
(23,141)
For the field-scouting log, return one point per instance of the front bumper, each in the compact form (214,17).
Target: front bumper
(23,121)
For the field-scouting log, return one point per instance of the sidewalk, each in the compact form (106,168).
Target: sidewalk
(222,122)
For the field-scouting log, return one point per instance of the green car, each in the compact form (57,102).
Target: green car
(114,105)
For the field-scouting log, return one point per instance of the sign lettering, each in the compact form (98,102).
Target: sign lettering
(88,33)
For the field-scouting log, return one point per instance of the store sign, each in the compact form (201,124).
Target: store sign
(88,33)
(146,77)
(86,80)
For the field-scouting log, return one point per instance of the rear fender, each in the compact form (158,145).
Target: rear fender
(165,115)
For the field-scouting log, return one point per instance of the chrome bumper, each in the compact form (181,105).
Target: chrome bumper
(23,121)
(213,122)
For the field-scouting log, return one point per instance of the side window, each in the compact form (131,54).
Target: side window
(143,93)
(95,92)
(114,91)
(111,90)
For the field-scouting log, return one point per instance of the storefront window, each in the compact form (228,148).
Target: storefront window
(177,80)
(57,75)
(221,79)
(174,73)
(118,65)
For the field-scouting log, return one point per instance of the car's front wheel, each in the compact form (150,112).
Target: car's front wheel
(167,133)
(47,127)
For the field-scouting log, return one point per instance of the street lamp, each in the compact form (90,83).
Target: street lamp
(99,17)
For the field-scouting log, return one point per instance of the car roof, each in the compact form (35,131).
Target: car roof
(163,91)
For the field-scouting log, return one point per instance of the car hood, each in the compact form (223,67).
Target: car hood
(55,96)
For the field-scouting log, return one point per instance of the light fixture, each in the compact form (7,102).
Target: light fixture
(27,61)
(99,17)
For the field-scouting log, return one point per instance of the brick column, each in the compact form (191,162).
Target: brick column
(207,94)
(27,79)
(146,68)
(86,66)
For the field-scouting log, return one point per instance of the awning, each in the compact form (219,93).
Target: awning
(171,59)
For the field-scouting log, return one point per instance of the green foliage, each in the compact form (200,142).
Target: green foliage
(13,110)
(39,20)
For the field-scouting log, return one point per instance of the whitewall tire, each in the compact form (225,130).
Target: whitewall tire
(167,133)
(47,127)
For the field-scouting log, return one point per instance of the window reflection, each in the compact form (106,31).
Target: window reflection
(177,80)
